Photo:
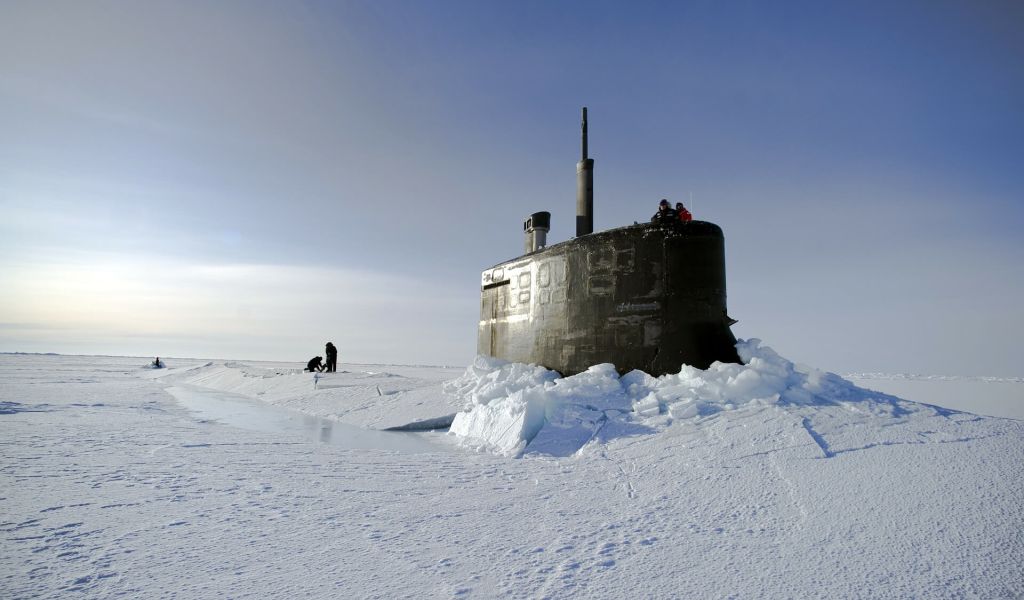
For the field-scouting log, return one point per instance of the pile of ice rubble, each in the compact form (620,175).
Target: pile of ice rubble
(516,408)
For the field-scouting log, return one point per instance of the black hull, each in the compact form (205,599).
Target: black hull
(642,297)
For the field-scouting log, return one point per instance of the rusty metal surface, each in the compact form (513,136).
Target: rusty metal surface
(642,297)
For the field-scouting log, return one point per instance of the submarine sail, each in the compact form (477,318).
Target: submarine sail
(649,296)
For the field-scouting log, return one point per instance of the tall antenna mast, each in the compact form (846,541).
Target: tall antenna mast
(584,187)
(584,126)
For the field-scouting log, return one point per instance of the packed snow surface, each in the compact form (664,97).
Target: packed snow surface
(765,479)
(991,396)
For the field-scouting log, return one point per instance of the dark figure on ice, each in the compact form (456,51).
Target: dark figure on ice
(157,364)
(332,358)
(666,215)
(684,215)
(314,364)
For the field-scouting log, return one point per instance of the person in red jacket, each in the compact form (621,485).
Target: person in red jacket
(684,215)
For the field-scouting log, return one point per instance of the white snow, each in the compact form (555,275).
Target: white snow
(519,408)
(992,396)
(767,479)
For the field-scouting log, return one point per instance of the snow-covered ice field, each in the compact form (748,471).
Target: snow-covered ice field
(241,480)
(990,396)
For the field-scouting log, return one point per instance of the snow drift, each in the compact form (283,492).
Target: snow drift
(517,409)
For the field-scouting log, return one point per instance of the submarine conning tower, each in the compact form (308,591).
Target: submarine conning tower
(646,296)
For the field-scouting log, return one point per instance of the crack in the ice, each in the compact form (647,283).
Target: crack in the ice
(913,443)
(772,451)
(820,441)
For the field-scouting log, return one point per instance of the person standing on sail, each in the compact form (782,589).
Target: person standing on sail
(665,214)
(684,215)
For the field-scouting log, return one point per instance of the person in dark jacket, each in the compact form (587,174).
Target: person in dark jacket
(684,215)
(332,358)
(314,364)
(665,215)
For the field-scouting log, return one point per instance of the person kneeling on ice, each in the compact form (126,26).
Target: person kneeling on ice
(314,364)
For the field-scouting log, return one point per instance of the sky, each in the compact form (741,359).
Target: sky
(252,179)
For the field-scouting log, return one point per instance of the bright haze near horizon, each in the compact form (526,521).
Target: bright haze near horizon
(250,180)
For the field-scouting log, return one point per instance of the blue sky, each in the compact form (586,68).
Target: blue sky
(249,180)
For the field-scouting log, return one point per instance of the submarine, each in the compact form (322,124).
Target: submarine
(645,296)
